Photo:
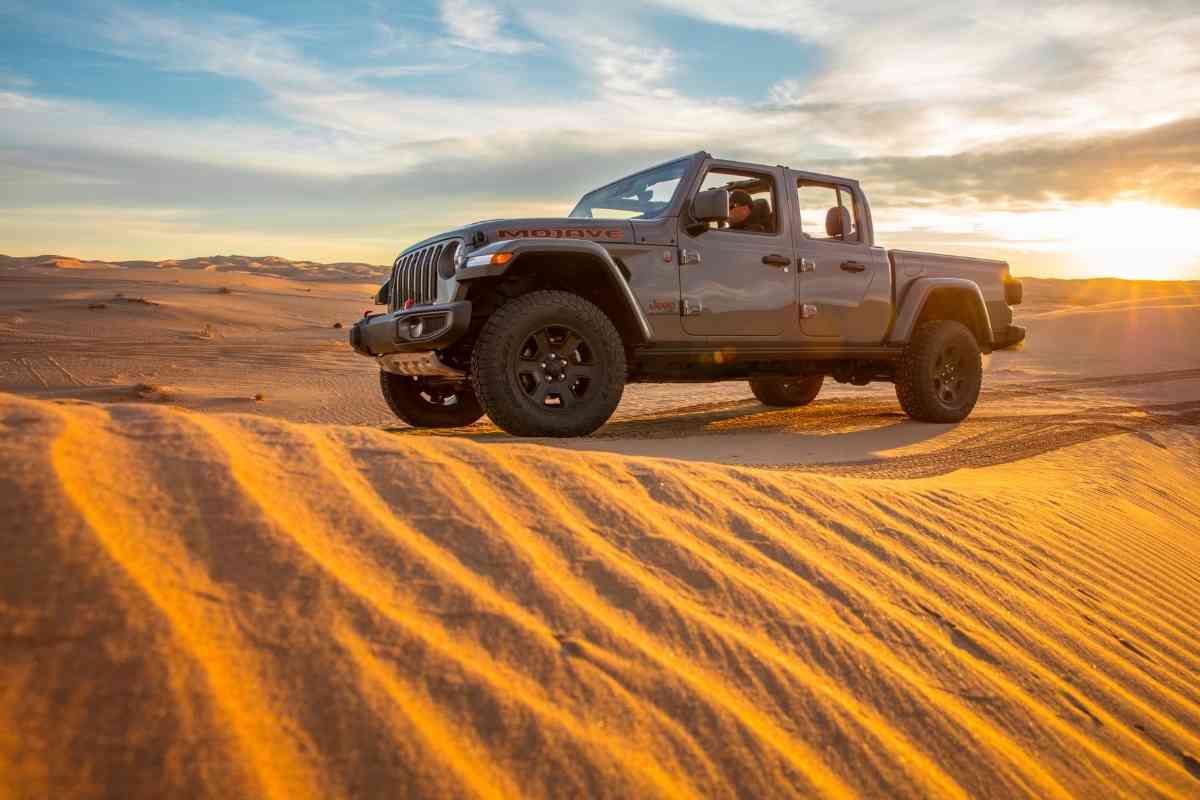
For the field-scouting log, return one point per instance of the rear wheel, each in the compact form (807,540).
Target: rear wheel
(428,402)
(941,372)
(787,391)
(549,363)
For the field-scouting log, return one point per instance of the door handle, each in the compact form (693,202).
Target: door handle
(776,260)
(853,266)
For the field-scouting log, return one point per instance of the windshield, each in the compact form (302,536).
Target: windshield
(645,195)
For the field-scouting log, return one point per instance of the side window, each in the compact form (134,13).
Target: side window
(751,200)
(814,201)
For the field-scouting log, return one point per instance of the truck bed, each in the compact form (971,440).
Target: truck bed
(990,274)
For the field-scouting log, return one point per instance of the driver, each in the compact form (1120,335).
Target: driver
(740,208)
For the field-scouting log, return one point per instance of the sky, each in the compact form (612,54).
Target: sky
(1063,137)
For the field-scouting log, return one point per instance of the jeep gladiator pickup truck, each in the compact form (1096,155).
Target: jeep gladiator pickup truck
(696,270)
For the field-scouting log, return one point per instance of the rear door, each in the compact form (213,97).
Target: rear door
(738,282)
(845,284)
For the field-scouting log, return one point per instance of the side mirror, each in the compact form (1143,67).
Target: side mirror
(711,206)
(381,297)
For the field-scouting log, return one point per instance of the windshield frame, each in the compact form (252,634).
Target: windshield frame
(669,209)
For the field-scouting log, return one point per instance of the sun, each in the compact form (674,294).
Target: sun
(1137,240)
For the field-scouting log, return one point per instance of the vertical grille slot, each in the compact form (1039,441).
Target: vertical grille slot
(416,276)
(430,276)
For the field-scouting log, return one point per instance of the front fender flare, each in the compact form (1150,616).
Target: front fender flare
(918,294)
(524,247)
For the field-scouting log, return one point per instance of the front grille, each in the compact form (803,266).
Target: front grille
(415,275)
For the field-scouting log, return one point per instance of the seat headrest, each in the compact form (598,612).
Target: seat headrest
(837,223)
(760,213)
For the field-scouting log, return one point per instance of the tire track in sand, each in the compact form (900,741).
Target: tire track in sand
(1006,439)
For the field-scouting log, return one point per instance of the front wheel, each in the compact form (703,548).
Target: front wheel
(940,374)
(787,391)
(549,363)
(430,403)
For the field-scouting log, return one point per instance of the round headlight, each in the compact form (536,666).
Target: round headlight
(460,257)
(448,261)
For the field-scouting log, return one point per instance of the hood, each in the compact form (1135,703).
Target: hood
(478,234)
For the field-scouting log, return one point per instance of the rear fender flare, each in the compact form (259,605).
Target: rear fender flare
(917,297)
(594,253)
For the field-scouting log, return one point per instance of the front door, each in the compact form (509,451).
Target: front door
(739,279)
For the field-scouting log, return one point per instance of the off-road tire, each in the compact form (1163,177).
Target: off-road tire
(926,390)
(502,366)
(799,391)
(412,400)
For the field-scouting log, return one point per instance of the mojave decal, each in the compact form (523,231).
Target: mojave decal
(613,234)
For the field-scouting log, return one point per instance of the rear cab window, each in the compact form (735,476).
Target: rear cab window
(814,201)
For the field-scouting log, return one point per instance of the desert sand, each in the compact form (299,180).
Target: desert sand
(207,594)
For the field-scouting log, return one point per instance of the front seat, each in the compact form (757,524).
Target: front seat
(838,224)
(760,216)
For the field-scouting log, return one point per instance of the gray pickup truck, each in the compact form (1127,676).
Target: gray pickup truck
(696,270)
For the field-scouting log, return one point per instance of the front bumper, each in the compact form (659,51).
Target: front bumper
(414,330)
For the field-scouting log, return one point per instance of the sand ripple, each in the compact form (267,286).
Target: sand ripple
(218,605)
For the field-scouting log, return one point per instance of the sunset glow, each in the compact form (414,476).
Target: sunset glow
(1125,240)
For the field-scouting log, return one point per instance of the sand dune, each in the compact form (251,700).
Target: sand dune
(202,603)
(232,605)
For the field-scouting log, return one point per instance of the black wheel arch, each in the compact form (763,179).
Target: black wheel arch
(955,299)
(580,267)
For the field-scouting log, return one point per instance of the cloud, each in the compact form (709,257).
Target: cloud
(479,26)
(937,77)
(918,79)
(403,70)
(15,81)
(1159,164)
(336,122)
(18,101)
(228,45)
(624,66)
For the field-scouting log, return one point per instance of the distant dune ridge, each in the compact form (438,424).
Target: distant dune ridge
(200,605)
(265,265)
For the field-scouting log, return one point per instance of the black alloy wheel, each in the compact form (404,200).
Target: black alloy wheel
(949,376)
(556,368)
